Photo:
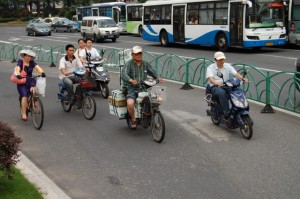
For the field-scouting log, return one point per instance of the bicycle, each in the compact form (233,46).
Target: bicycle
(35,107)
(83,97)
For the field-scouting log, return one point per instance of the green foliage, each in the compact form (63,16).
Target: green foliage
(9,147)
(5,20)
(18,188)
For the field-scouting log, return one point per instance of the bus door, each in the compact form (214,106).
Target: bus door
(116,14)
(236,24)
(178,23)
(95,11)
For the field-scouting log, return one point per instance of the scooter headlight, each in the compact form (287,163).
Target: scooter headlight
(238,103)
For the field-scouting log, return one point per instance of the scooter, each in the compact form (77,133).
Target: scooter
(239,112)
(147,109)
(98,76)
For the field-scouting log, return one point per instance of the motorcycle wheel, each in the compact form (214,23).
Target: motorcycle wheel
(215,121)
(247,129)
(89,107)
(104,90)
(66,102)
(158,128)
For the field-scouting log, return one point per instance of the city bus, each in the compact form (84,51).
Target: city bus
(293,21)
(134,18)
(115,10)
(219,23)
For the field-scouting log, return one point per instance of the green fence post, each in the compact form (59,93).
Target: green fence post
(268,108)
(51,58)
(13,55)
(186,85)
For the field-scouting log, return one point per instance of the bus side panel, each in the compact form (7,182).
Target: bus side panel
(133,27)
(202,35)
(151,33)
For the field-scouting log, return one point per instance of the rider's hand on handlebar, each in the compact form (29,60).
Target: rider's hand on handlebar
(133,81)
(219,84)
(160,80)
(104,59)
(244,79)
(43,75)
(19,76)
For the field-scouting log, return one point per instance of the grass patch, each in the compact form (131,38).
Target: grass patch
(18,188)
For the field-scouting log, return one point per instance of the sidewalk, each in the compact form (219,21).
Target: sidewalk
(34,175)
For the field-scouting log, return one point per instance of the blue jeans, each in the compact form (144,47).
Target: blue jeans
(221,93)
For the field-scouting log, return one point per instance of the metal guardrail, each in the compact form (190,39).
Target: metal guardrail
(278,89)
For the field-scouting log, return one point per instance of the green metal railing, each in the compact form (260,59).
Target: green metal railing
(279,89)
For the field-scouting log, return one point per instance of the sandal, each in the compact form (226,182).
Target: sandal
(24,118)
(133,125)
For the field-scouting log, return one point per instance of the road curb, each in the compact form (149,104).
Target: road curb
(34,175)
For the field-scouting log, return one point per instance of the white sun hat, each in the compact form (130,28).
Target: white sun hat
(27,52)
(219,55)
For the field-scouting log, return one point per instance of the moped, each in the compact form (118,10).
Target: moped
(83,97)
(98,76)
(239,112)
(147,109)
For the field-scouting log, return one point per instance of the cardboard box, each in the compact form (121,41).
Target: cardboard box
(114,102)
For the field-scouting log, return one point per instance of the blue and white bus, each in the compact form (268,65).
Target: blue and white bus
(115,10)
(220,23)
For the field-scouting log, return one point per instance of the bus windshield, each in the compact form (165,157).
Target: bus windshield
(265,14)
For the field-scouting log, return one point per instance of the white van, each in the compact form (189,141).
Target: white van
(99,28)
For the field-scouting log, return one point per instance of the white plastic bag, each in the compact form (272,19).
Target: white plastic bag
(41,86)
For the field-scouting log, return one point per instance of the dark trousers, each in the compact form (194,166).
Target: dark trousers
(221,94)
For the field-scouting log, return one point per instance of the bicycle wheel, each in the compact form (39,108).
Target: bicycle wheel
(158,127)
(66,102)
(37,113)
(89,107)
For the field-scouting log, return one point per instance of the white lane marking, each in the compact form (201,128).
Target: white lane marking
(6,42)
(293,58)
(199,126)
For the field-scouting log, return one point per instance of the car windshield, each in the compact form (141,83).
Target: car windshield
(41,25)
(266,14)
(105,23)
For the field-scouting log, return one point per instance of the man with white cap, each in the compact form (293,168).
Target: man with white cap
(27,65)
(132,73)
(216,82)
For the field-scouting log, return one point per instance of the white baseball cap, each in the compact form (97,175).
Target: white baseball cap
(219,55)
(136,49)
(27,52)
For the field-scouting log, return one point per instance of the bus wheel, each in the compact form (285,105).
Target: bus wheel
(140,31)
(164,40)
(222,42)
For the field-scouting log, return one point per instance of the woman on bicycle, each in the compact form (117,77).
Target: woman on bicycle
(27,64)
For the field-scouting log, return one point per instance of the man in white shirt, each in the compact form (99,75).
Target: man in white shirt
(89,52)
(216,82)
(67,65)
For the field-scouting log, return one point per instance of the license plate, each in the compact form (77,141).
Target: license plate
(269,44)
(99,68)
(110,36)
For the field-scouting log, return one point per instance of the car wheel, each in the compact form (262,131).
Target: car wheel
(114,39)
(27,32)
(49,34)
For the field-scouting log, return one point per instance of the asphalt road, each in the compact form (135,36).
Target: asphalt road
(102,158)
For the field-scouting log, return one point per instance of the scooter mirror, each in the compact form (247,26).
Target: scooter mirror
(220,74)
